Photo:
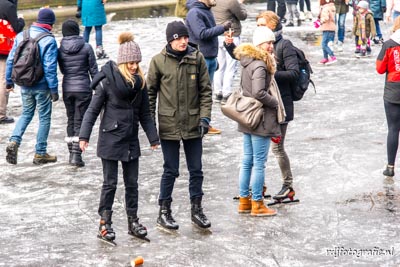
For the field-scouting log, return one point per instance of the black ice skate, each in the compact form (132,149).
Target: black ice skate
(136,229)
(100,52)
(285,196)
(389,171)
(165,221)
(106,233)
(199,219)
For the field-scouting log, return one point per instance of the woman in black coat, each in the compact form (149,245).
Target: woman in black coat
(121,93)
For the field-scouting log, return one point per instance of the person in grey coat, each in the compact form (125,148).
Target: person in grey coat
(258,71)
(234,11)
(78,65)
(121,93)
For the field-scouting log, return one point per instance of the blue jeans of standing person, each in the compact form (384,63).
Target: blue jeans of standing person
(211,63)
(32,99)
(340,20)
(99,34)
(130,173)
(193,149)
(378,28)
(395,14)
(327,36)
(255,153)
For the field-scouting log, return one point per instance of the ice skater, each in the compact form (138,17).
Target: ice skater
(121,93)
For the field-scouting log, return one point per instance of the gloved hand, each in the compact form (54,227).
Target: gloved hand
(384,9)
(9,86)
(204,124)
(276,139)
(54,97)
(78,14)
(227,24)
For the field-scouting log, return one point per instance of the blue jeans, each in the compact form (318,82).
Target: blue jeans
(99,34)
(211,63)
(30,100)
(340,20)
(193,151)
(378,28)
(395,14)
(327,36)
(255,153)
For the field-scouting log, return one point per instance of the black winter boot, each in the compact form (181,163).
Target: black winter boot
(165,218)
(105,230)
(70,152)
(389,171)
(198,217)
(76,155)
(135,228)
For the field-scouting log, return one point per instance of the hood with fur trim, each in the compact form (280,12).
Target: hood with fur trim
(247,52)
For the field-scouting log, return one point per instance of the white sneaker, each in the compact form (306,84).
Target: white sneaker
(302,16)
(309,16)
(339,46)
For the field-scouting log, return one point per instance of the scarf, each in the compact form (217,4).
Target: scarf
(273,89)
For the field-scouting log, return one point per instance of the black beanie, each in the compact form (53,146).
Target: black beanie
(175,30)
(70,27)
(46,16)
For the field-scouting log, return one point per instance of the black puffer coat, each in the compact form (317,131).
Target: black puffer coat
(78,64)
(287,72)
(124,107)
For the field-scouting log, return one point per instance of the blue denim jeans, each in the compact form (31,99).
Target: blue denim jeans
(99,34)
(327,36)
(211,66)
(193,151)
(255,154)
(340,20)
(378,28)
(32,99)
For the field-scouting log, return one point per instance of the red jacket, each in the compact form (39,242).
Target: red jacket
(388,62)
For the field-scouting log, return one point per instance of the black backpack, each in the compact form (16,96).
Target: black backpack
(304,81)
(27,64)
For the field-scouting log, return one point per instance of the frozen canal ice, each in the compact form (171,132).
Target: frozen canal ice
(348,214)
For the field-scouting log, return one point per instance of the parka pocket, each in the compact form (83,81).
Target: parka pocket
(109,126)
(166,120)
(194,118)
(192,77)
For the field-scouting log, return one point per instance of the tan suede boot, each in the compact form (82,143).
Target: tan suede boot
(259,209)
(244,205)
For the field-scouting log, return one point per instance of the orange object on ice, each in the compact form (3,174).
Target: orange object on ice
(137,261)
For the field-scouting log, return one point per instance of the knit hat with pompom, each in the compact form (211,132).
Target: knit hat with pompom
(129,51)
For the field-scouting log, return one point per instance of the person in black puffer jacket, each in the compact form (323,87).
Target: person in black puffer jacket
(78,64)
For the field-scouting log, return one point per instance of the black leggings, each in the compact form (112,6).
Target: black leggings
(393,120)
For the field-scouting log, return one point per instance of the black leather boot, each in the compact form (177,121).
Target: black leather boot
(198,217)
(135,228)
(165,218)
(76,155)
(105,230)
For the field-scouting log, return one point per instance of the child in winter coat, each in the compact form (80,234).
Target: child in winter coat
(121,92)
(328,28)
(364,29)
(78,64)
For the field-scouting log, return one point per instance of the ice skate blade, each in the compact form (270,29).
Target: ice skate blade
(265,196)
(168,231)
(286,201)
(202,230)
(139,238)
(109,242)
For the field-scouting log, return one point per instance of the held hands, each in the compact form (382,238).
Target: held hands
(276,139)
(204,124)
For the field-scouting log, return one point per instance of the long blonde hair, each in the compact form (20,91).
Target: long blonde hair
(123,69)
